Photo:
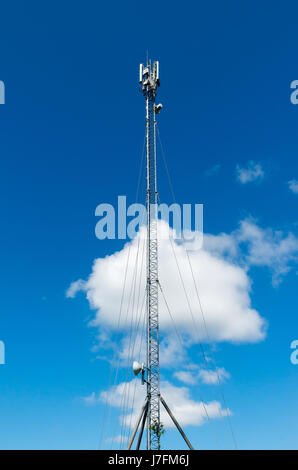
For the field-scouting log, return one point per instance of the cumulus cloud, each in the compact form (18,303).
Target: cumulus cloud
(119,439)
(268,248)
(293,185)
(206,376)
(252,172)
(187,411)
(222,245)
(133,347)
(74,288)
(251,245)
(213,170)
(221,270)
(212,377)
(172,353)
(90,399)
(186,377)
(223,284)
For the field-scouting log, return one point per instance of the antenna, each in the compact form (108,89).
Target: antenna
(150,414)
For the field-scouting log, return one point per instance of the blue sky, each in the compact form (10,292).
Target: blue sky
(72,132)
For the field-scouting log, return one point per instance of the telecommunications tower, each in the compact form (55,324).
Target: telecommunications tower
(150,413)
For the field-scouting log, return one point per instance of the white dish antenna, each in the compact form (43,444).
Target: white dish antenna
(137,367)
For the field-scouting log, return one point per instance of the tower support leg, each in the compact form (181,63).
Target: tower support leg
(143,425)
(137,425)
(176,423)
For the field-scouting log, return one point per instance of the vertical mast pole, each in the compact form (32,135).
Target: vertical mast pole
(150,80)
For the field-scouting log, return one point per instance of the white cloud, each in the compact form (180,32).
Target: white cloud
(130,348)
(206,376)
(213,170)
(187,411)
(119,439)
(268,248)
(90,400)
(186,377)
(221,271)
(222,245)
(224,290)
(211,377)
(293,185)
(171,351)
(74,288)
(251,245)
(252,172)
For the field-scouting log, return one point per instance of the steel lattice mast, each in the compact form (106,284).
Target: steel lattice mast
(150,413)
(150,80)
